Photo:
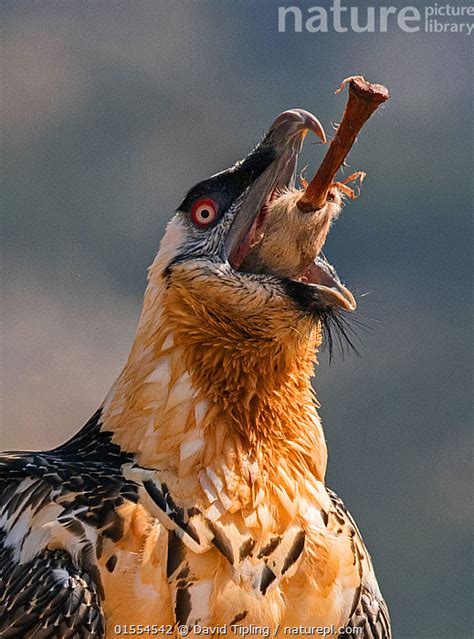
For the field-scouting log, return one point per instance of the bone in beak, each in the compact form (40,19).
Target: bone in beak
(364,99)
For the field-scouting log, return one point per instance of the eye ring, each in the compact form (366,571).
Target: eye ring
(204,212)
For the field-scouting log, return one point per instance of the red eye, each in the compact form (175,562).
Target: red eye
(204,212)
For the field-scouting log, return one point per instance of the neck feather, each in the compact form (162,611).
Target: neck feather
(197,401)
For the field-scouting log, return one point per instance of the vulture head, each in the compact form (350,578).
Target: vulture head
(234,273)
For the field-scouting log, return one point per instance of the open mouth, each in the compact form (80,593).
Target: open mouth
(319,276)
(254,235)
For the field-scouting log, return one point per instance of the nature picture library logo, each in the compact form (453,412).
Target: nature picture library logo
(342,18)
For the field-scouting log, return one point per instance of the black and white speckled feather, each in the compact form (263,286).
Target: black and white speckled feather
(49,596)
(70,493)
(370,617)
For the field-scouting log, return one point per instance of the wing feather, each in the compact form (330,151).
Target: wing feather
(48,597)
(370,613)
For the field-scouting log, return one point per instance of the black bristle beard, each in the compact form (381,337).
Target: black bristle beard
(338,332)
(342,329)
(339,326)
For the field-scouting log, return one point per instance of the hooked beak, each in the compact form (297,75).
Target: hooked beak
(318,282)
(284,139)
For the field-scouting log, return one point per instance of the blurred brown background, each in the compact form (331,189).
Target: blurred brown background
(111,110)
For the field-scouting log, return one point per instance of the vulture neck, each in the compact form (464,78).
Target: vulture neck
(195,395)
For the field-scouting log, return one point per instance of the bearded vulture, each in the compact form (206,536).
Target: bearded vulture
(193,501)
